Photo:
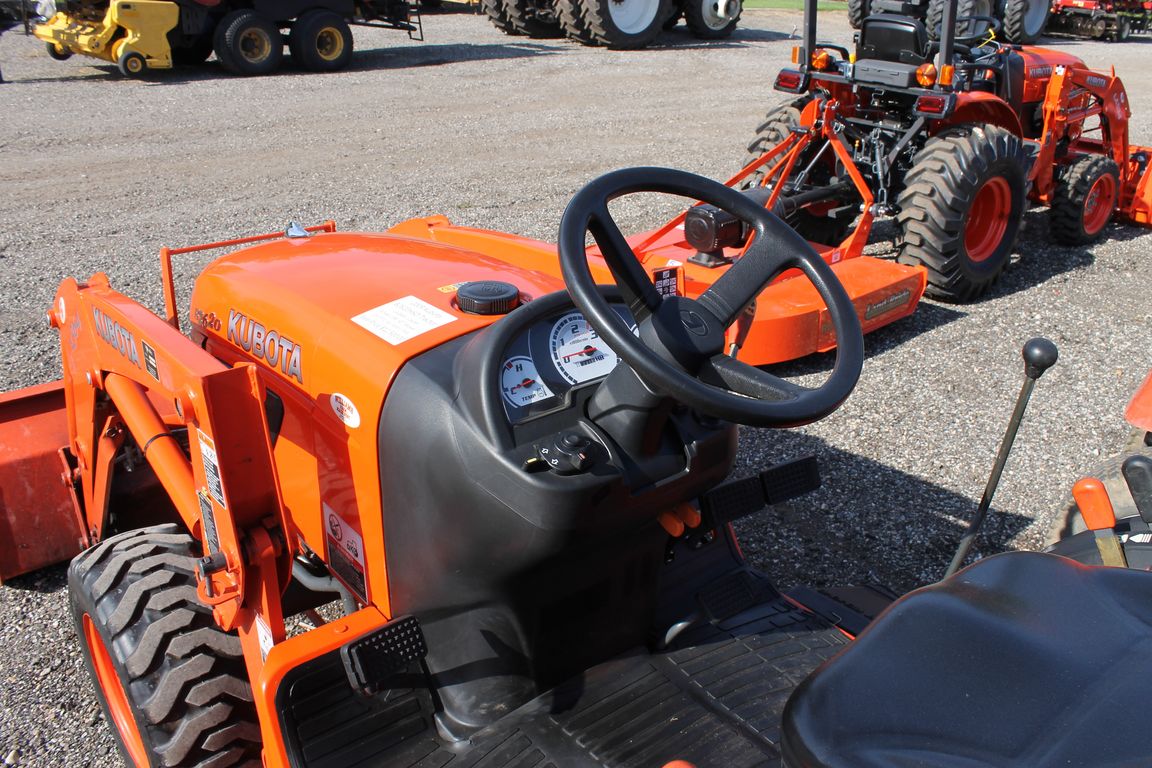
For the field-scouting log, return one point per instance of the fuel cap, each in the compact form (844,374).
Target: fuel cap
(488,297)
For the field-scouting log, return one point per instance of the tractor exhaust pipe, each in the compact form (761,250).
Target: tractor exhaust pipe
(1039,355)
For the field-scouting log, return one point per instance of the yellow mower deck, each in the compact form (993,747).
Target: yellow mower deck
(139,26)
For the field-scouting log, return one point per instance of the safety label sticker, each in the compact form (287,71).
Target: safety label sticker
(211,468)
(667,281)
(264,635)
(208,520)
(345,552)
(398,321)
(150,360)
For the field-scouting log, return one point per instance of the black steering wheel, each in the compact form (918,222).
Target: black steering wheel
(680,350)
(991,24)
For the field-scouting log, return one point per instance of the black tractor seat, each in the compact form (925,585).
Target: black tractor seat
(1023,659)
(889,50)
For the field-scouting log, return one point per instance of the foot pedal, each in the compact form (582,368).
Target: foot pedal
(732,594)
(740,498)
(371,660)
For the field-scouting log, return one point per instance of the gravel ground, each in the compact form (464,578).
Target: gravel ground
(98,172)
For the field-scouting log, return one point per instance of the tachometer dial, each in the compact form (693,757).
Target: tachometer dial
(578,351)
(520,382)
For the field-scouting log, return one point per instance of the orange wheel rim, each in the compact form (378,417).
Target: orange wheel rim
(114,694)
(988,219)
(1099,203)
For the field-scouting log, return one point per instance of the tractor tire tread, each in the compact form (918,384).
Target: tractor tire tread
(940,188)
(522,19)
(572,21)
(1015,14)
(184,677)
(1066,215)
(494,10)
(605,32)
(857,11)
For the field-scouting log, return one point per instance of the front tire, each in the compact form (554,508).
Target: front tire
(57,53)
(320,41)
(625,24)
(961,208)
(131,64)
(248,44)
(171,683)
(1084,200)
(712,19)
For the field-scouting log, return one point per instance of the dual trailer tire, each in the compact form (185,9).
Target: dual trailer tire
(248,44)
(618,24)
(171,683)
(320,41)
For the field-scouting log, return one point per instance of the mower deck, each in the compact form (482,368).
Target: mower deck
(714,698)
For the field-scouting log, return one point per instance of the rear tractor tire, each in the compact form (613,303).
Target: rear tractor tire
(712,19)
(494,10)
(320,41)
(858,10)
(625,24)
(171,683)
(1084,200)
(935,15)
(1025,20)
(525,18)
(961,208)
(248,44)
(570,14)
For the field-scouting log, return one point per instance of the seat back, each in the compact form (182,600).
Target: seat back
(893,38)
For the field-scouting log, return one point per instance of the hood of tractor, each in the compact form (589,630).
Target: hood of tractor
(324,310)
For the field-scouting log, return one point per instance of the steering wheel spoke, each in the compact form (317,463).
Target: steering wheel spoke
(640,293)
(769,255)
(728,373)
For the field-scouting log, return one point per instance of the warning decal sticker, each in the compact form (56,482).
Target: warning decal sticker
(398,321)
(345,552)
(211,468)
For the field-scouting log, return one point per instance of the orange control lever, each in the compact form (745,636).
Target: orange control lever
(1095,506)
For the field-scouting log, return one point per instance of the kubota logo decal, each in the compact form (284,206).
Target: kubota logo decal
(268,345)
(117,335)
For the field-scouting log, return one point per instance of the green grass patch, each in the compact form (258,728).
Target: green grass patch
(796,5)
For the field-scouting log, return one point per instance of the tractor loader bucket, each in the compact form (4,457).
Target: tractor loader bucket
(39,525)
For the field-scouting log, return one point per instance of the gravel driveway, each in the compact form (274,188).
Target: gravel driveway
(98,172)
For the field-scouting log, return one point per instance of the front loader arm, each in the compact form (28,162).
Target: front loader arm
(128,373)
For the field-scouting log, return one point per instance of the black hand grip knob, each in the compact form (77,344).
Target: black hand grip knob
(1137,472)
(1040,354)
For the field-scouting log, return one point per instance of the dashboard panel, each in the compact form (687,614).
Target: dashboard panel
(553,356)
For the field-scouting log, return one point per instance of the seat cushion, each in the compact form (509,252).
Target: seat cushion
(1023,659)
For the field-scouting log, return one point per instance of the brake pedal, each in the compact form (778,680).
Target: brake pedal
(371,660)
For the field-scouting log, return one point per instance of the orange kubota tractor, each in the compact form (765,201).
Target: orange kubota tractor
(953,137)
(512,492)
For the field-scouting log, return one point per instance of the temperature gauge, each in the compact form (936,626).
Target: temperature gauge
(521,384)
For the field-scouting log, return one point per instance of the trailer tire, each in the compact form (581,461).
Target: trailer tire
(57,53)
(704,18)
(1025,20)
(858,10)
(171,683)
(494,10)
(1123,30)
(1084,199)
(248,44)
(625,24)
(320,41)
(935,14)
(523,17)
(131,64)
(961,208)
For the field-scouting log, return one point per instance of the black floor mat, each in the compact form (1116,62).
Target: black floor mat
(713,699)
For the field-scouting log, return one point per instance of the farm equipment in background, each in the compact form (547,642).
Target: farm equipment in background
(953,138)
(620,24)
(1100,19)
(522,507)
(139,35)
